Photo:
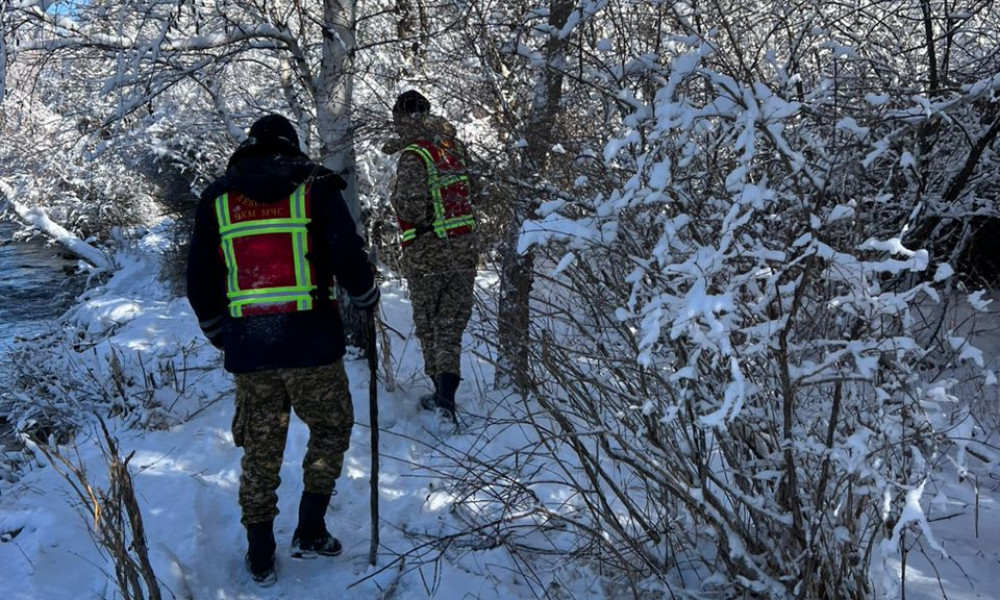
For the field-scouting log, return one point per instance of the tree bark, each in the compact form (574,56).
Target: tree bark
(37,218)
(4,7)
(517,268)
(333,99)
(925,8)
(336,132)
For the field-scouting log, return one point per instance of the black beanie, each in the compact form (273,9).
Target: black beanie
(272,128)
(411,103)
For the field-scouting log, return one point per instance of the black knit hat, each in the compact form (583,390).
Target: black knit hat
(273,128)
(411,103)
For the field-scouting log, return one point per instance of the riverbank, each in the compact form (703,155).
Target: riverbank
(37,287)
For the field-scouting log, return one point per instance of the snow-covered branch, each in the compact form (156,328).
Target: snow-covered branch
(37,218)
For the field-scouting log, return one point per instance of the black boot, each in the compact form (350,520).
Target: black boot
(260,552)
(311,537)
(447,386)
(429,401)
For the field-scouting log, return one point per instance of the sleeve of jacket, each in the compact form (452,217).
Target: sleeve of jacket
(206,273)
(409,197)
(349,260)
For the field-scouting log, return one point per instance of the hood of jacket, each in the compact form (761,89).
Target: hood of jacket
(268,173)
(431,127)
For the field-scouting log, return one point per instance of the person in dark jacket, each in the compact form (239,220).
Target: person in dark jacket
(272,238)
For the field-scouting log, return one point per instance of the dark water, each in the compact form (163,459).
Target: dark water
(35,289)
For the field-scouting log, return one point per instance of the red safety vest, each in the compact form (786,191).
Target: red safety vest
(448,187)
(265,248)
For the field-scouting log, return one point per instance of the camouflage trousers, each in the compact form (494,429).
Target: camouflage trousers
(320,397)
(442,306)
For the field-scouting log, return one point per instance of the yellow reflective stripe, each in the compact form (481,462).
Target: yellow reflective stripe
(447,180)
(425,155)
(236,306)
(222,210)
(300,244)
(295,227)
(301,296)
(264,226)
(281,289)
(228,253)
(455,223)
(272,299)
(297,208)
(435,183)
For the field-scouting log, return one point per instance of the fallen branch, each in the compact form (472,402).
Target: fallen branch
(37,218)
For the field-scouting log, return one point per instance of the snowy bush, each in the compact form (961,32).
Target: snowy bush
(730,341)
(112,358)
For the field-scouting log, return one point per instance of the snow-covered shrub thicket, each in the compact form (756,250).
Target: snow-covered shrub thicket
(112,105)
(58,150)
(107,357)
(47,157)
(727,326)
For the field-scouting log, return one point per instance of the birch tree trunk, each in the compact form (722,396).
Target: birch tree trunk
(333,121)
(37,218)
(4,17)
(516,268)
(333,97)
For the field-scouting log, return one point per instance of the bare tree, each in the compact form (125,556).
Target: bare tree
(517,267)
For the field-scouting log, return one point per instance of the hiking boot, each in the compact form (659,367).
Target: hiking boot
(260,553)
(429,401)
(311,537)
(324,545)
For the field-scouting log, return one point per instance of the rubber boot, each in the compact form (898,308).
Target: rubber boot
(311,537)
(447,386)
(260,552)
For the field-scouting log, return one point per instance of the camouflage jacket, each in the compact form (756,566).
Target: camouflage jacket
(412,203)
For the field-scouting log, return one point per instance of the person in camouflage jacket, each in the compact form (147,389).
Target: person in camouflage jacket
(433,198)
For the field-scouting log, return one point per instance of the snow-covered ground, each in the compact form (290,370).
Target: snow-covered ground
(186,479)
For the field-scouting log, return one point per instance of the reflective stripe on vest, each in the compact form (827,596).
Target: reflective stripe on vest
(440,185)
(297,294)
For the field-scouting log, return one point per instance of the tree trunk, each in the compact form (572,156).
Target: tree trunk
(517,269)
(336,132)
(333,100)
(412,26)
(925,8)
(4,7)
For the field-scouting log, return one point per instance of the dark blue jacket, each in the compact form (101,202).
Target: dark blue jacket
(268,173)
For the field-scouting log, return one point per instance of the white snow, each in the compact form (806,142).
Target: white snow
(186,477)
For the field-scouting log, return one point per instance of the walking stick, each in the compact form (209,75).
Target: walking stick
(373,418)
